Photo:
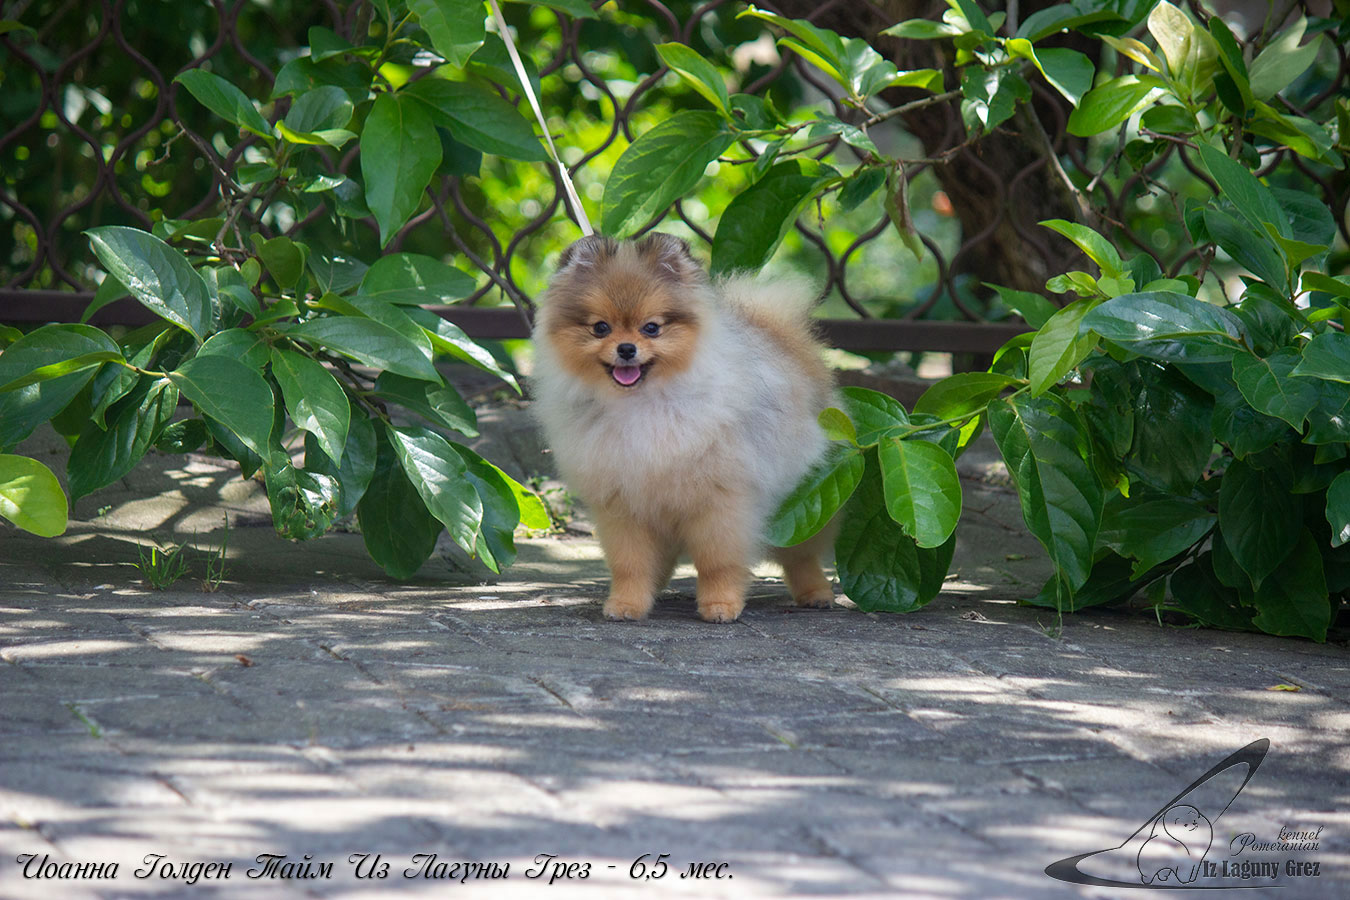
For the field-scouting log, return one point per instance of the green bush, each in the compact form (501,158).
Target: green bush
(257,332)
(1163,438)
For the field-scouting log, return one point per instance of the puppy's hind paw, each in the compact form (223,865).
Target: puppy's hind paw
(820,598)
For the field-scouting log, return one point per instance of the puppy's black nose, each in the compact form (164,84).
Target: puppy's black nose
(627,351)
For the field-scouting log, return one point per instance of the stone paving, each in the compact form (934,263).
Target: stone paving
(313,709)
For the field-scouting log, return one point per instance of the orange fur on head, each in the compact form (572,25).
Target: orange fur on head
(648,294)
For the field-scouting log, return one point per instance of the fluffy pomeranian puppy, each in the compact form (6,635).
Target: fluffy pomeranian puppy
(682,411)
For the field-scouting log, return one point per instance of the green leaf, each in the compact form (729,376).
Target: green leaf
(1329,420)
(991,96)
(1259,516)
(227,283)
(1327,356)
(1112,102)
(922,30)
(1154,531)
(438,474)
(1034,308)
(314,398)
(449,339)
(399,154)
(324,108)
(1048,453)
(701,75)
(758,218)
(873,413)
(493,62)
(456,27)
(399,532)
(1338,509)
(501,510)
(1197,592)
(65,367)
(1283,60)
(1319,281)
(387,314)
(101,457)
(860,186)
(661,166)
(157,275)
(1254,251)
(1059,347)
(851,62)
(849,133)
(237,343)
(1191,54)
(1230,56)
(304,504)
(819,495)
(882,569)
(1293,602)
(232,394)
(109,290)
(358,460)
(284,258)
(1067,71)
(225,100)
(1134,49)
(1110,582)
(477,117)
(183,436)
(367,341)
(923,492)
(1168,326)
(325,43)
(961,394)
(435,402)
(415,279)
(1097,248)
(1268,387)
(1172,443)
(1245,191)
(837,425)
(24,408)
(1063,16)
(31,497)
(1242,428)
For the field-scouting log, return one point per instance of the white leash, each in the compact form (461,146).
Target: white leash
(573,200)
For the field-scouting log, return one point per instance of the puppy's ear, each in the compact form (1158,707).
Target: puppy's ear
(669,257)
(588,252)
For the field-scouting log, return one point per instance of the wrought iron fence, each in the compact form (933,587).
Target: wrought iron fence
(87,139)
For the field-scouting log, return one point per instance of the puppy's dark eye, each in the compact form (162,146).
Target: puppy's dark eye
(651,329)
(600,329)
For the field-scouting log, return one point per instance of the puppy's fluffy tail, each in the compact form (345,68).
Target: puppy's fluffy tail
(784,302)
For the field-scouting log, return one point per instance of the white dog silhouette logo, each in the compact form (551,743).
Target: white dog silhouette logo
(1168,851)
(1177,844)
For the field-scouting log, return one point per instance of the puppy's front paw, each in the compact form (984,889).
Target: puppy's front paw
(818,598)
(720,609)
(620,608)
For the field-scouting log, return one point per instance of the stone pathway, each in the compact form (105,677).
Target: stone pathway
(314,710)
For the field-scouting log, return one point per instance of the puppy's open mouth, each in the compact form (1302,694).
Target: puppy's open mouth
(629,375)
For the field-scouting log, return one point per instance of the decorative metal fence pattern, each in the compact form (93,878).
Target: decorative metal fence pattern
(122,141)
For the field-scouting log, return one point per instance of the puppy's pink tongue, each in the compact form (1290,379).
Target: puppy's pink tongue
(627,375)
